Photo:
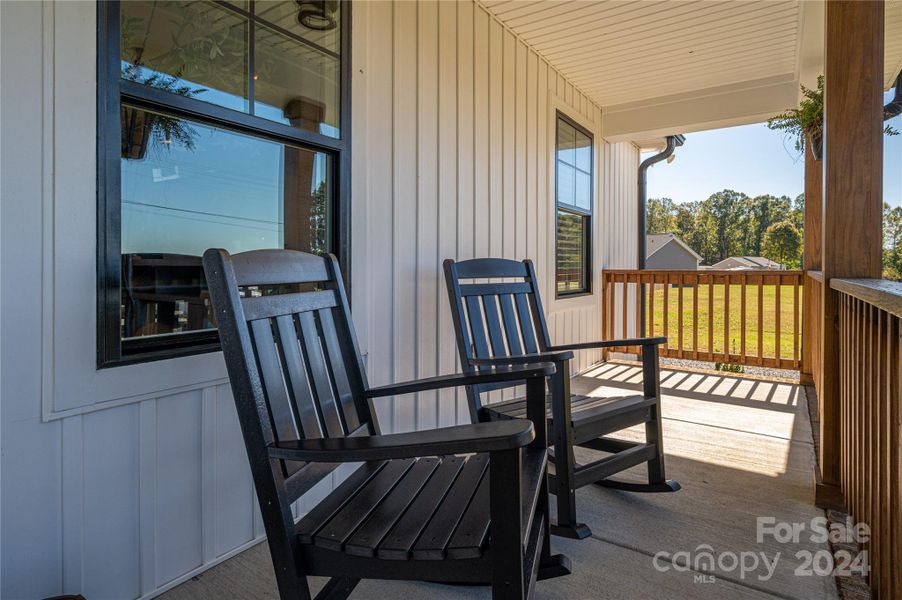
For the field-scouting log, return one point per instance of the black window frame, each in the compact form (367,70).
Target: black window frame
(574,210)
(111,92)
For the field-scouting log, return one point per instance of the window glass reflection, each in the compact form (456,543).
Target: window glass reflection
(566,143)
(192,49)
(186,187)
(317,21)
(295,84)
(570,272)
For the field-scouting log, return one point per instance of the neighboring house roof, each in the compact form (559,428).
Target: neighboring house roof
(656,241)
(750,262)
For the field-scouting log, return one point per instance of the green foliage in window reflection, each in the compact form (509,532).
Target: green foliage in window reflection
(139,128)
(319,219)
(204,44)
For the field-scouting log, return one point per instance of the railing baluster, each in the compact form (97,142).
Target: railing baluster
(876,475)
(884,424)
(651,307)
(695,317)
(846,339)
(856,417)
(711,317)
(680,312)
(777,324)
(639,293)
(892,431)
(726,318)
(796,334)
(867,410)
(742,290)
(760,319)
(667,310)
(623,328)
(605,306)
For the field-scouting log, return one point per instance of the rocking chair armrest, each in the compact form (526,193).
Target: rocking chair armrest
(497,374)
(535,357)
(646,341)
(460,439)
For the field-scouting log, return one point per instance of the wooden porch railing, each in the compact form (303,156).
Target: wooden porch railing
(870,411)
(737,317)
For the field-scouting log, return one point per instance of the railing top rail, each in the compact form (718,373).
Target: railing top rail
(882,293)
(740,273)
(816,275)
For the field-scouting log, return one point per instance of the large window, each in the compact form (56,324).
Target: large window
(221,124)
(573,172)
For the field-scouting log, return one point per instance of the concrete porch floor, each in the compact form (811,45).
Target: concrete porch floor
(741,449)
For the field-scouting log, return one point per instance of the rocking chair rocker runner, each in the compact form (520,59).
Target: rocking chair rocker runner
(413,510)
(490,320)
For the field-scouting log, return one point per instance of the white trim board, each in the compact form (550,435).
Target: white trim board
(71,382)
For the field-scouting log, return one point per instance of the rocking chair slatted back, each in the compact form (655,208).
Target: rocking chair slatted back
(496,318)
(292,355)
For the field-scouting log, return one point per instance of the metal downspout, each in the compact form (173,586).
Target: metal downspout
(673,142)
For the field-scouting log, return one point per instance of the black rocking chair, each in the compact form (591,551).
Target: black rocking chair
(465,504)
(502,323)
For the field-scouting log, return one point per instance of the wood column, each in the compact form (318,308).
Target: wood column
(811,260)
(305,114)
(852,191)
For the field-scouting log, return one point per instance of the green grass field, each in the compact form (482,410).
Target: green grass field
(768,332)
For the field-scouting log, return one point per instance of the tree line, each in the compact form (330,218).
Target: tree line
(892,242)
(730,223)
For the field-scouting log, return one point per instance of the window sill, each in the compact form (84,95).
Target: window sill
(559,296)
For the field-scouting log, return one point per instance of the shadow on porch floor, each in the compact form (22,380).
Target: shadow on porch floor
(741,449)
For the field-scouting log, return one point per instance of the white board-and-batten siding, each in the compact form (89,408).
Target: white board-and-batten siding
(453,158)
(115,492)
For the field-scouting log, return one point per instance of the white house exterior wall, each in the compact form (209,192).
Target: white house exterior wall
(120,485)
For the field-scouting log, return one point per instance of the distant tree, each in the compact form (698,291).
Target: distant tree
(892,242)
(765,211)
(720,217)
(783,244)
(798,213)
(660,215)
(686,226)
(319,220)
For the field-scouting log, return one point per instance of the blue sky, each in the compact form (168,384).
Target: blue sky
(754,160)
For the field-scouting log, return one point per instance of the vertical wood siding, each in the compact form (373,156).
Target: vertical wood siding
(453,134)
(453,147)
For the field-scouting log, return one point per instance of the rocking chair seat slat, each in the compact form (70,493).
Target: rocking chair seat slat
(473,530)
(428,508)
(358,507)
(365,541)
(585,410)
(314,520)
(404,534)
(435,537)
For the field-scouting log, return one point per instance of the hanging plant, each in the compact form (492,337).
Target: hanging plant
(805,124)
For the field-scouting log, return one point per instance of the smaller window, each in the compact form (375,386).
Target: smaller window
(573,172)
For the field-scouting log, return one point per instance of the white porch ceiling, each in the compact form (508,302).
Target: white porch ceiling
(675,66)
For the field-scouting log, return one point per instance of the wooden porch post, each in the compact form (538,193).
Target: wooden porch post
(852,190)
(811,260)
